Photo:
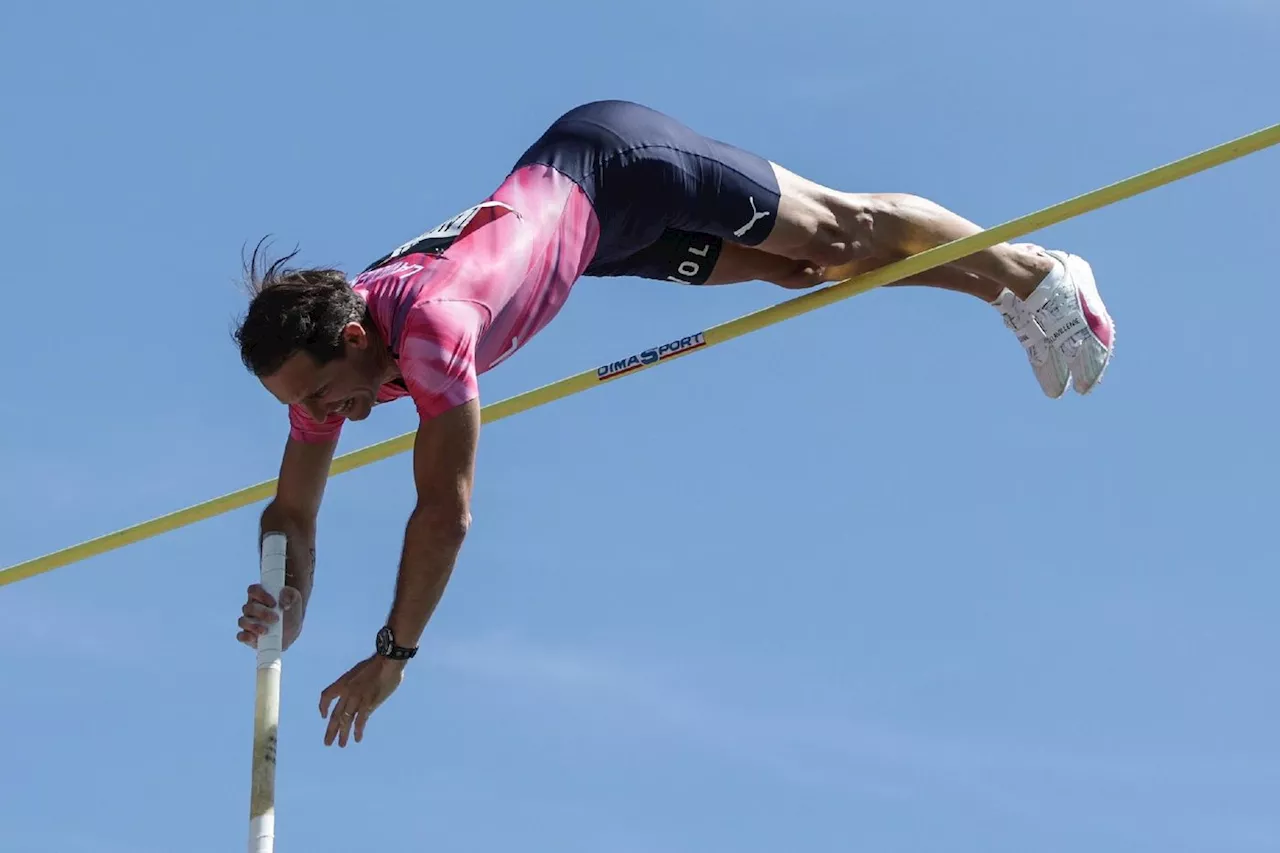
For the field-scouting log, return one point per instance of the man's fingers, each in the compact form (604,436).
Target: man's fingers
(357,693)
(247,624)
(333,691)
(331,730)
(347,718)
(342,720)
(260,612)
(349,710)
(259,594)
(362,717)
(339,722)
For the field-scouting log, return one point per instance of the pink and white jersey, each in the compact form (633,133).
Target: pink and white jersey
(458,300)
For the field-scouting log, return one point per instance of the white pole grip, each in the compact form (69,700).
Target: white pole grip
(274,547)
(266,710)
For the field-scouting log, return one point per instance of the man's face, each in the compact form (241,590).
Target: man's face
(346,386)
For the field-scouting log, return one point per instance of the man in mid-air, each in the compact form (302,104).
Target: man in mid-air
(610,189)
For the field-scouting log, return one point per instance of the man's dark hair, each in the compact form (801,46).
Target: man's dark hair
(294,310)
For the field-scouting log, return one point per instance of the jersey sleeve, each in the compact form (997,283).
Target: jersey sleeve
(303,428)
(438,355)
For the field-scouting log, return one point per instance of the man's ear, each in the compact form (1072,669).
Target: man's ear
(354,334)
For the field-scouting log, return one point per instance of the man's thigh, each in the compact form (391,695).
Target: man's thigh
(685,257)
(670,201)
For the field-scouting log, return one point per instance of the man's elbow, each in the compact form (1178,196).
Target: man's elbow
(445,523)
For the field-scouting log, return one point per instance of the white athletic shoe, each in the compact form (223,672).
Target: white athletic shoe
(1046,360)
(1063,326)
(1068,307)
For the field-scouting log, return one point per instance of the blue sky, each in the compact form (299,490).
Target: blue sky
(850,582)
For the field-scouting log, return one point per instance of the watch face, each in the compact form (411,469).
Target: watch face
(386,646)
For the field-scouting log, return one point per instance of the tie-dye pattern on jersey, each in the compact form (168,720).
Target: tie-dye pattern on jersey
(507,268)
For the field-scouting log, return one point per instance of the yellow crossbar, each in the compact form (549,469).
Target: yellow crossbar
(914,265)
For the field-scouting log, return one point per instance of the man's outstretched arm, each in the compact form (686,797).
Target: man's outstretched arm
(304,470)
(444,454)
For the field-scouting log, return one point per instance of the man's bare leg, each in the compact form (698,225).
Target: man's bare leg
(742,263)
(1049,299)
(831,228)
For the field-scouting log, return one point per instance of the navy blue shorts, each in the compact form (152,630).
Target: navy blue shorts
(667,198)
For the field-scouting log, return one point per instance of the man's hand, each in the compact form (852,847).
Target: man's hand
(258,612)
(293,512)
(362,689)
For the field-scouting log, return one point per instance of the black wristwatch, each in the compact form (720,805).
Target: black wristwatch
(386,646)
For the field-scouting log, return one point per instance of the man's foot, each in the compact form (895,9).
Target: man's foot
(1047,362)
(1063,325)
(1068,307)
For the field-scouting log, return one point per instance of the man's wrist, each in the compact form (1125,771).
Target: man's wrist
(388,662)
(391,647)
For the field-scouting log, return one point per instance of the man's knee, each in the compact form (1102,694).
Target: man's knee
(799,275)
